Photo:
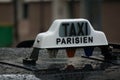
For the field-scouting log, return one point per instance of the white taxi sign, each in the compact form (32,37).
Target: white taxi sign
(70,33)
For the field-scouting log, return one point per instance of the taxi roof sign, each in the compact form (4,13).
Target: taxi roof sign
(65,33)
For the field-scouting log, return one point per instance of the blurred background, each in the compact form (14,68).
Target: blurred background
(23,19)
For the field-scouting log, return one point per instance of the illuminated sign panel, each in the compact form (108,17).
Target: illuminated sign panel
(74,29)
(74,33)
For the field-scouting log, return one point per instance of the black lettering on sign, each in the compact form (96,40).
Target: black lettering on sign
(90,39)
(85,40)
(81,40)
(65,25)
(74,33)
(63,41)
(74,29)
(58,40)
(77,40)
(74,40)
(68,40)
(80,30)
